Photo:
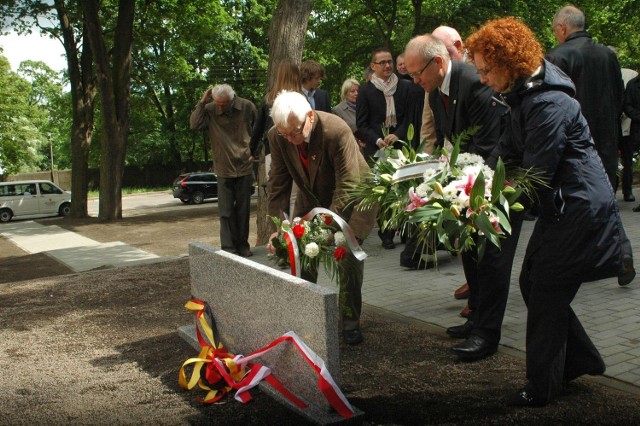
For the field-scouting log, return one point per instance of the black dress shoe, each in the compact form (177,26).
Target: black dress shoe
(629,197)
(636,208)
(474,348)
(388,244)
(352,337)
(461,331)
(628,273)
(524,398)
(417,263)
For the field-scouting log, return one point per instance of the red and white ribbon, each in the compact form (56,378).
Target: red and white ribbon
(352,241)
(326,384)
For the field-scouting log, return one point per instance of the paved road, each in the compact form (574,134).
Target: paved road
(157,201)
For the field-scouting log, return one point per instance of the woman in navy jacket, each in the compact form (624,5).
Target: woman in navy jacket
(576,238)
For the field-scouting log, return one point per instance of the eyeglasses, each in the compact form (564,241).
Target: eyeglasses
(419,73)
(295,132)
(383,63)
(483,72)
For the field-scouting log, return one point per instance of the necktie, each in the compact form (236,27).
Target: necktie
(303,150)
(445,101)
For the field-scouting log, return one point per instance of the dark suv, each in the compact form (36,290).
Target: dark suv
(195,187)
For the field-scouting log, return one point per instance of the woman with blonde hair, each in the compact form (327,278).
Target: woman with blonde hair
(577,235)
(347,108)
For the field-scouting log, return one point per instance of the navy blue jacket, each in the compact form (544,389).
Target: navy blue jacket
(577,234)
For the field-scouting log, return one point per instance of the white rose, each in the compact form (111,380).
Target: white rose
(311,250)
(339,238)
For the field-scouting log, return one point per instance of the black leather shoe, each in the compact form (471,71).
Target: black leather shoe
(524,398)
(352,337)
(416,264)
(461,331)
(474,348)
(629,197)
(388,244)
(636,208)
(628,273)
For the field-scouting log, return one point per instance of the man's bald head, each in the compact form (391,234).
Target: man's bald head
(452,41)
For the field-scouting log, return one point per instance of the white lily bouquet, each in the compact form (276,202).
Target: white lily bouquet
(454,199)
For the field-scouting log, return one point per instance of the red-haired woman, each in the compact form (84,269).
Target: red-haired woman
(576,238)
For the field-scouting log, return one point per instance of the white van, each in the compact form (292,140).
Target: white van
(32,198)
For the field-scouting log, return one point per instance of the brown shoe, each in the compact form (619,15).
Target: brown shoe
(463,292)
(466,312)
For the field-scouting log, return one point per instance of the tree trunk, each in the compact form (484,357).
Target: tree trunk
(286,41)
(114,77)
(83,92)
(417,17)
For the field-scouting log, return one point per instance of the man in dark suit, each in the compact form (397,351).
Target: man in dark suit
(312,74)
(319,152)
(459,102)
(385,108)
(595,71)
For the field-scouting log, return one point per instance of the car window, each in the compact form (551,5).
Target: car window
(47,188)
(7,190)
(24,188)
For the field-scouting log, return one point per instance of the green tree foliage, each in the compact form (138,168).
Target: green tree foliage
(53,106)
(21,123)
(177,58)
(183,46)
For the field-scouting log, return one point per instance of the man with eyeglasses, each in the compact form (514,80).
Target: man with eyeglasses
(229,121)
(319,152)
(460,102)
(386,107)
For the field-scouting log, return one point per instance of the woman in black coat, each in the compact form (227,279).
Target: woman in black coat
(576,238)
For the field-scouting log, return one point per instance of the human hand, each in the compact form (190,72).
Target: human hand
(206,96)
(390,139)
(270,248)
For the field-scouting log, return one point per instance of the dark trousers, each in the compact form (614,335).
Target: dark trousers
(558,348)
(350,286)
(234,207)
(489,282)
(626,157)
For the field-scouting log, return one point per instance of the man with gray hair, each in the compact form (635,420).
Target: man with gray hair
(319,152)
(595,71)
(459,102)
(229,121)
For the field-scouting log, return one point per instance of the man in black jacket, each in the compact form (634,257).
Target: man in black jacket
(595,71)
(459,102)
(385,109)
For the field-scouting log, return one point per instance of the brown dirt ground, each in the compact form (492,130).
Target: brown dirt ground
(101,347)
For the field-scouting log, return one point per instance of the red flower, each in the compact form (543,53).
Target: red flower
(298,231)
(327,219)
(340,253)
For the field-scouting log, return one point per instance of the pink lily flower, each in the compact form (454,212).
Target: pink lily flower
(416,201)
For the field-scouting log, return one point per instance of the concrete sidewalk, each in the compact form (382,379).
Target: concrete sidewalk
(75,251)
